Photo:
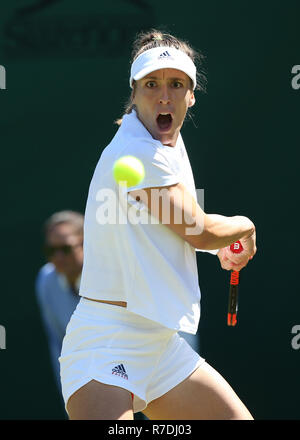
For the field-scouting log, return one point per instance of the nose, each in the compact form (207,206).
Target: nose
(164,95)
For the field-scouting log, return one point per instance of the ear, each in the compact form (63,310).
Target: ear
(132,96)
(192,100)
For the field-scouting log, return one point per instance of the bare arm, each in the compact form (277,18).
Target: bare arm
(175,207)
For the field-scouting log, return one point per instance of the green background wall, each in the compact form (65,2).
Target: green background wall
(67,67)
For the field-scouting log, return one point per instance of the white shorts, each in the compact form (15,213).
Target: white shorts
(109,344)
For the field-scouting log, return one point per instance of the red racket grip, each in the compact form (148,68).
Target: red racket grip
(233,289)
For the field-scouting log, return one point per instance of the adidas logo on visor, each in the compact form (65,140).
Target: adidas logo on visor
(165,55)
(119,370)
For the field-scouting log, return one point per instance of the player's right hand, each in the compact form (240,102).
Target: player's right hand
(232,261)
(249,245)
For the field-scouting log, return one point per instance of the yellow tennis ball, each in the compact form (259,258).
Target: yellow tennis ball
(128,171)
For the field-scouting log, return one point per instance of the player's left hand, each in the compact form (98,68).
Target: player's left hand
(231,261)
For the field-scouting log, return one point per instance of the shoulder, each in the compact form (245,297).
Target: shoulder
(143,148)
(149,151)
(132,138)
(45,277)
(126,144)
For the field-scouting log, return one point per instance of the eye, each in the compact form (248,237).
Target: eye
(177,84)
(150,84)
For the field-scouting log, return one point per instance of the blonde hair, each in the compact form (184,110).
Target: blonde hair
(155,38)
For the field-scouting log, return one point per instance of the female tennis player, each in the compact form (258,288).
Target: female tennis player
(122,352)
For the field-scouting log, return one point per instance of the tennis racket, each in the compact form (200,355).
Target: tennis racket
(234,288)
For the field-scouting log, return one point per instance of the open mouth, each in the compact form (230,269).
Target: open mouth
(164,121)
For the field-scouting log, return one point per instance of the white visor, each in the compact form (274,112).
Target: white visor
(162,58)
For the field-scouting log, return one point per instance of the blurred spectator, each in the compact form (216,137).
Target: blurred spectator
(57,283)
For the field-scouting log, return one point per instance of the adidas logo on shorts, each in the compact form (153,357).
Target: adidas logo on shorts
(119,370)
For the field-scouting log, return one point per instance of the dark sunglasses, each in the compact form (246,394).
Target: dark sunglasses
(66,249)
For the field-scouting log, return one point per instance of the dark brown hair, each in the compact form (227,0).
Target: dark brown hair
(156,38)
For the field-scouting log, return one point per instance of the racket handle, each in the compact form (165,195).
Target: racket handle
(234,288)
(233,298)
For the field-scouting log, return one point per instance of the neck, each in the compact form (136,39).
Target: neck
(72,279)
(172,142)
